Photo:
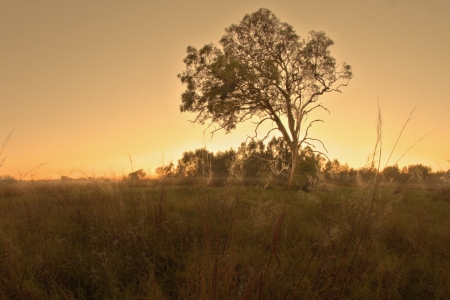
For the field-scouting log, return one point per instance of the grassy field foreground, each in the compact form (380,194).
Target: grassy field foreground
(63,240)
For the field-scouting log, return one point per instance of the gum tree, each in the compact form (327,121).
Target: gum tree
(262,70)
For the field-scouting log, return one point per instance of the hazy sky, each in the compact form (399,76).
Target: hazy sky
(85,83)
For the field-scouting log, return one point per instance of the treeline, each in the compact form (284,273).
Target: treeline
(255,160)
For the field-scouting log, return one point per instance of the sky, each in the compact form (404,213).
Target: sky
(85,85)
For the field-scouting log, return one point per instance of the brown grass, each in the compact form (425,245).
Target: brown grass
(107,240)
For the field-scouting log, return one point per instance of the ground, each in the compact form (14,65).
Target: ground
(122,240)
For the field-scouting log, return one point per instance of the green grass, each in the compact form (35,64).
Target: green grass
(92,240)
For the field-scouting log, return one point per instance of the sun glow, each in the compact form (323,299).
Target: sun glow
(84,85)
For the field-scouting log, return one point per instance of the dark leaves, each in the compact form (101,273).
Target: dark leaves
(262,69)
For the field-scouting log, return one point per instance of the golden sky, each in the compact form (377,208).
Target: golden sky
(85,83)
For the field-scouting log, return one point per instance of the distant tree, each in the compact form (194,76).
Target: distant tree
(418,172)
(195,163)
(7,178)
(368,173)
(222,161)
(307,167)
(345,172)
(392,172)
(166,170)
(137,175)
(252,153)
(332,169)
(263,70)
(336,168)
(327,169)
(335,171)
(187,165)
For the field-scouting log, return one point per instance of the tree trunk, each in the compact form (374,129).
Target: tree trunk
(294,153)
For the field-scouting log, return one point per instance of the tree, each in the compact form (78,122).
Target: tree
(137,175)
(392,172)
(252,154)
(308,166)
(165,170)
(262,69)
(222,161)
(195,163)
(418,172)
(187,165)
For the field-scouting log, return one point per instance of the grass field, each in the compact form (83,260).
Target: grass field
(112,240)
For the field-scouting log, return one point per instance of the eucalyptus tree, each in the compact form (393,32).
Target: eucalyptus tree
(262,70)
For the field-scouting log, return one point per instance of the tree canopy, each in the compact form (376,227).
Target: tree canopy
(262,69)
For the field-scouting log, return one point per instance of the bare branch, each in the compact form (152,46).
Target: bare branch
(317,106)
(319,152)
(259,123)
(307,129)
(317,140)
(267,135)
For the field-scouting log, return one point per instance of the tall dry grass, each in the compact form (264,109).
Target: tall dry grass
(118,240)
(61,240)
